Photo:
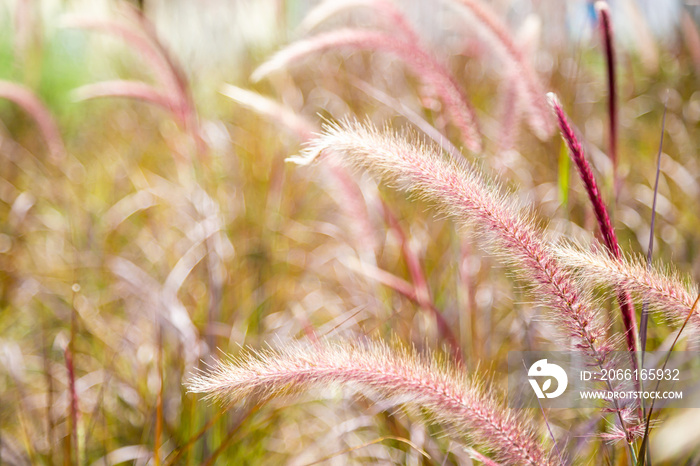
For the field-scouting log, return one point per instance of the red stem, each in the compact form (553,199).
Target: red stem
(421,288)
(601,213)
(68,354)
(607,37)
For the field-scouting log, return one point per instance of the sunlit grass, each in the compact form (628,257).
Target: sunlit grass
(143,254)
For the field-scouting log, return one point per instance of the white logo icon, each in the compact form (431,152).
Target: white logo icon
(543,369)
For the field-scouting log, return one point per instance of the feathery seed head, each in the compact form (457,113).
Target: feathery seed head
(667,292)
(462,191)
(375,369)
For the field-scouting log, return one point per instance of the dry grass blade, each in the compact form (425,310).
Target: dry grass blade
(72,441)
(643,450)
(644,321)
(483,459)
(411,292)
(422,384)
(163,300)
(372,442)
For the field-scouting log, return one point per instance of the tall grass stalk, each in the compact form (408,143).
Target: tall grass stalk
(421,290)
(606,31)
(607,230)
(644,320)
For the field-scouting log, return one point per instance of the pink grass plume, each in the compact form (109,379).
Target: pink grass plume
(667,292)
(462,192)
(523,75)
(276,112)
(141,34)
(386,13)
(30,103)
(352,201)
(398,376)
(421,63)
(136,39)
(128,89)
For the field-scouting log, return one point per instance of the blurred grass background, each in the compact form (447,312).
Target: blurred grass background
(137,257)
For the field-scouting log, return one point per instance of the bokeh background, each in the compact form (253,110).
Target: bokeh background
(138,240)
